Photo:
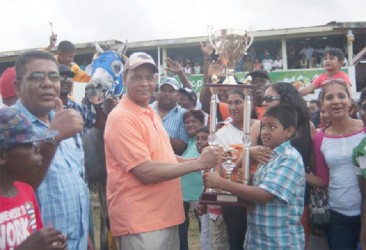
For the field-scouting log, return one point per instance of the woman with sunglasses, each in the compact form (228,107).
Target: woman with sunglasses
(286,93)
(333,148)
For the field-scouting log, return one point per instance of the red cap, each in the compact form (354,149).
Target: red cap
(7,89)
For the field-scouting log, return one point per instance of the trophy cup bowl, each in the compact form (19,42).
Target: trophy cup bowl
(230,45)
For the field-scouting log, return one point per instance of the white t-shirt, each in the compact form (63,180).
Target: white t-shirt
(343,190)
(229,135)
(267,64)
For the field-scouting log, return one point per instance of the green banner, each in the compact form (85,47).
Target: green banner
(305,76)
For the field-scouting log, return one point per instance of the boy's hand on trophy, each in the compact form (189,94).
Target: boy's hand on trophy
(212,180)
(209,157)
(261,154)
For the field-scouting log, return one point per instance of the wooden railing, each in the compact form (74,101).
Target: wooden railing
(359,56)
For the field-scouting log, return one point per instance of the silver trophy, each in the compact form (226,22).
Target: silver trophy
(230,45)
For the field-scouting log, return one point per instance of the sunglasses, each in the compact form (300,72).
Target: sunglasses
(271,98)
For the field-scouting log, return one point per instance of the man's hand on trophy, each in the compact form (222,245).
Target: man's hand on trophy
(207,49)
(209,157)
(173,66)
(261,154)
(212,180)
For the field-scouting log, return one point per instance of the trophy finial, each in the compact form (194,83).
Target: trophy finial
(215,80)
(248,80)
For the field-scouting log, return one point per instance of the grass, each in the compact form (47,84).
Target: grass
(193,234)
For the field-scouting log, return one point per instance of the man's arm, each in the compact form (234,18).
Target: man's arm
(205,94)
(150,172)
(67,122)
(179,146)
(52,44)
(174,66)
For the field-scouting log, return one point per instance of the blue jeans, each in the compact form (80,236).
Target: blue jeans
(343,231)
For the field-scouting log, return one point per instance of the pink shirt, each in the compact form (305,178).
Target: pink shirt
(323,77)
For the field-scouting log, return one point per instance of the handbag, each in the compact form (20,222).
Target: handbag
(319,208)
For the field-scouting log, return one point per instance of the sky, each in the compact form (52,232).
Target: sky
(25,24)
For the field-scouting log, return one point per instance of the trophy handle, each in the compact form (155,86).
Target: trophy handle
(211,36)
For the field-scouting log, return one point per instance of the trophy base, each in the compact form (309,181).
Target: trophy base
(222,199)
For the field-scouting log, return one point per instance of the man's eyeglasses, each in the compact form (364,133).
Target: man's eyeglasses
(271,98)
(38,77)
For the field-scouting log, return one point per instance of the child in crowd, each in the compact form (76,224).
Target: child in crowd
(205,239)
(21,226)
(332,62)
(276,199)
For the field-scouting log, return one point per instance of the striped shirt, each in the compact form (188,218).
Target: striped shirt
(173,122)
(276,224)
(63,196)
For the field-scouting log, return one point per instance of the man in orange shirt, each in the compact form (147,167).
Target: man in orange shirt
(143,187)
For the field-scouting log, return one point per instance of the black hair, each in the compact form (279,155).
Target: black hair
(66,46)
(237,92)
(362,97)
(203,129)
(28,56)
(334,52)
(317,102)
(198,114)
(284,113)
(290,96)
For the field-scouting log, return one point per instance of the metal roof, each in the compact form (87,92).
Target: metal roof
(331,28)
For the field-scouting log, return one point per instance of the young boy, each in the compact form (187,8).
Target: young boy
(21,226)
(332,62)
(275,201)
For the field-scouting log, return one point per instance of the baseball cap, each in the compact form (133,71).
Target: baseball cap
(191,94)
(260,73)
(15,129)
(7,89)
(64,70)
(171,81)
(139,58)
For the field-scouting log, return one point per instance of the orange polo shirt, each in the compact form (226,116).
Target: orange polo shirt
(132,136)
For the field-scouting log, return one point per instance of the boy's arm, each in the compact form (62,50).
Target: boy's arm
(307,90)
(251,194)
(349,89)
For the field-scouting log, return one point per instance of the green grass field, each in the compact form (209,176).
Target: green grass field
(193,234)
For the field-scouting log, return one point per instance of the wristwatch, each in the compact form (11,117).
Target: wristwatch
(52,141)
